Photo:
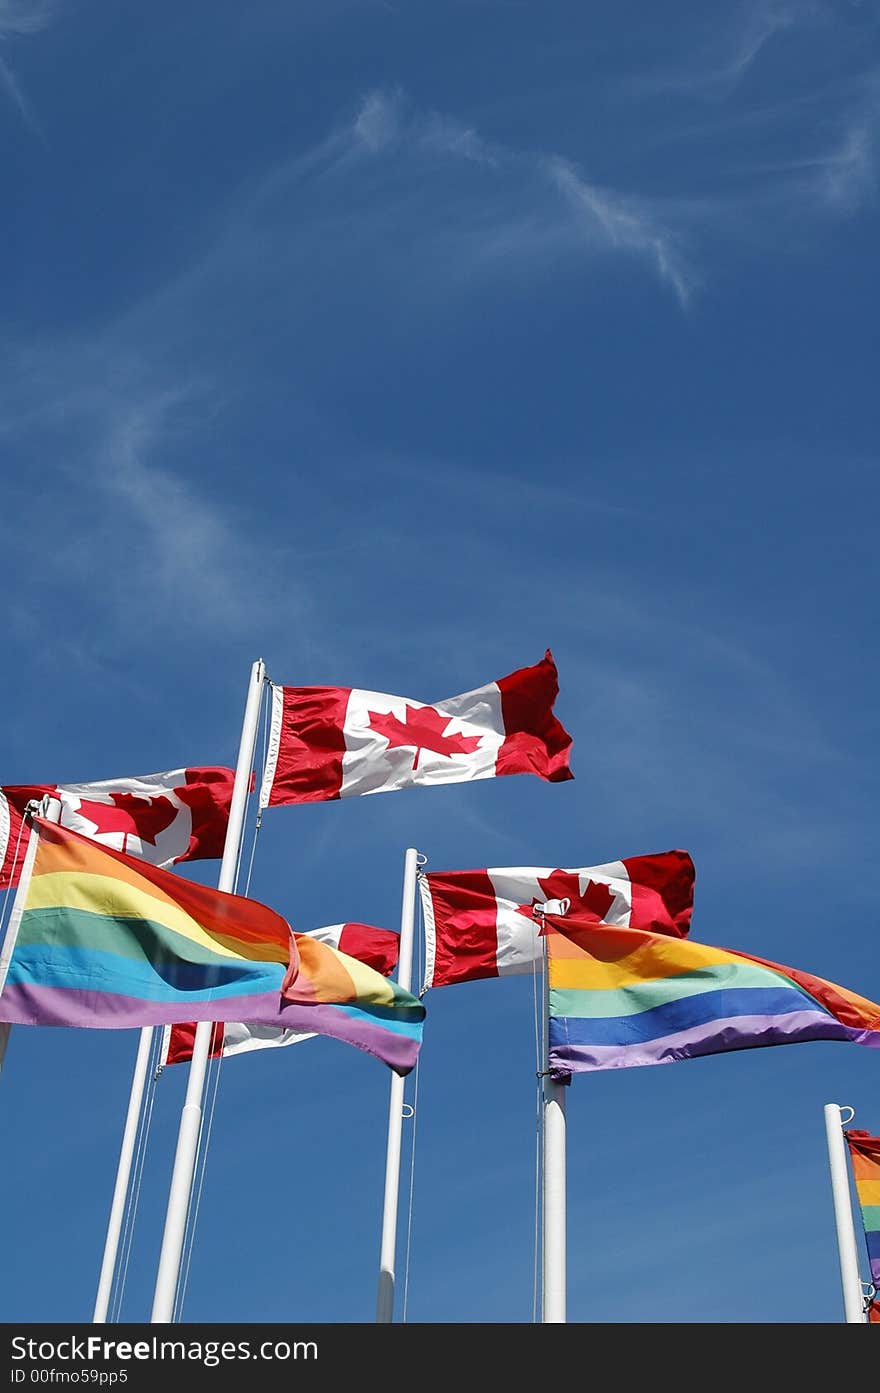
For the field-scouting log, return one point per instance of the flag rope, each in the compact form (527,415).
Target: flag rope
(420,941)
(259,819)
(538,1101)
(202,1153)
(144,1124)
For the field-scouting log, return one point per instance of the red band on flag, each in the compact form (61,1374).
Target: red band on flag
(306,745)
(377,948)
(535,742)
(466,942)
(205,792)
(662,892)
(181,1039)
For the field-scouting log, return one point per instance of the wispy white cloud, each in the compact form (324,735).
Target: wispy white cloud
(10,85)
(385,117)
(447,136)
(629,225)
(157,554)
(441,208)
(537,490)
(761,23)
(25,16)
(839,180)
(811,169)
(186,544)
(17,18)
(846,178)
(434,203)
(377,123)
(509,217)
(718,65)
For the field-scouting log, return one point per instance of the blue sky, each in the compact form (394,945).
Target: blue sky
(394,343)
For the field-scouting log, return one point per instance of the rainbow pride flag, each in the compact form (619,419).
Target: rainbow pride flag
(864,1156)
(100,939)
(623,997)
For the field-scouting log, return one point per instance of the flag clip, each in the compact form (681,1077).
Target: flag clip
(559,908)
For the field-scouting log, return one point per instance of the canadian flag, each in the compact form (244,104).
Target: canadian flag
(376,947)
(338,742)
(480,923)
(179,815)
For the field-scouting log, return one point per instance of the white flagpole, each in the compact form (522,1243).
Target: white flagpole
(123,1175)
(853,1298)
(4,1040)
(385,1294)
(553,1265)
(191,1114)
(553,1158)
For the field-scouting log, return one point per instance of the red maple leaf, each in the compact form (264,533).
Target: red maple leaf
(131,814)
(593,904)
(422,728)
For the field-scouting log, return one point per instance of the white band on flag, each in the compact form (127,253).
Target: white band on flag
(274,744)
(430,932)
(4,827)
(163,1049)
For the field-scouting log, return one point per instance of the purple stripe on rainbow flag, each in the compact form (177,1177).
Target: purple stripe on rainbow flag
(714,1037)
(394,1041)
